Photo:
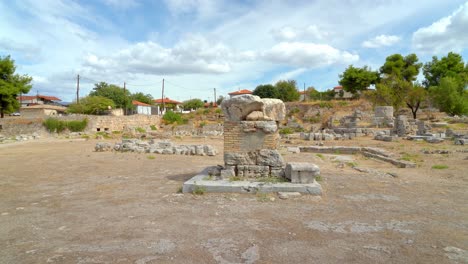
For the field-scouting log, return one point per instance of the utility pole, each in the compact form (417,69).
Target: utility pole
(78,89)
(125,99)
(214,103)
(162,98)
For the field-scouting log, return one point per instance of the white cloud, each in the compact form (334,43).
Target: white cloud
(310,55)
(381,41)
(288,75)
(288,33)
(444,35)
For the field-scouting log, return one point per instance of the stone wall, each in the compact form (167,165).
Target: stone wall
(11,126)
(115,123)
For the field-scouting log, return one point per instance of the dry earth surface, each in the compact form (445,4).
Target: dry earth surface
(61,202)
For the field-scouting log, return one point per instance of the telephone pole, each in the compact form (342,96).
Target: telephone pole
(125,99)
(214,103)
(162,98)
(78,89)
(304,93)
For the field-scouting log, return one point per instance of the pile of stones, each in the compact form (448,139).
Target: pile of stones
(160,147)
(21,137)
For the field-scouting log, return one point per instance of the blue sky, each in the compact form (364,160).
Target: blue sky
(198,45)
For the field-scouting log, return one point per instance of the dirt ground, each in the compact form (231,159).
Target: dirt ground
(61,202)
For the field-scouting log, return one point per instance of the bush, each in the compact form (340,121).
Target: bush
(55,125)
(286,131)
(326,105)
(140,130)
(171,117)
(153,127)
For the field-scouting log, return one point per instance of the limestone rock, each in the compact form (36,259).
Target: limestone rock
(239,107)
(103,146)
(274,109)
(301,172)
(270,157)
(240,158)
(255,116)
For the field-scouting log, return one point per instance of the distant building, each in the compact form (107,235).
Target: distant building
(240,92)
(168,104)
(142,108)
(41,110)
(28,100)
(304,96)
(340,93)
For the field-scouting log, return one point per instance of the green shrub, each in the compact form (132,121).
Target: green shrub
(202,124)
(440,167)
(171,117)
(153,127)
(218,111)
(326,105)
(286,131)
(140,130)
(199,190)
(55,125)
(151,157)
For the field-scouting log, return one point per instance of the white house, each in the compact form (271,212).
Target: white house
(142,108)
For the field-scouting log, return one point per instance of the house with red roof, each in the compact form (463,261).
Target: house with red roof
(142,108)
(340,93)
(240,92)
(167,103)
(27,100)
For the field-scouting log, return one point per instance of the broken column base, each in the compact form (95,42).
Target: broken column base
(206,183)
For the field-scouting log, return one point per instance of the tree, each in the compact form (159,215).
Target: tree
(91,105)
(405,68)
(287,90)
(11,86)
(356,79)
(391,90)
(144,98)
(448,98)
(193,104)
(450,66)
(266,91)
(415,97)
(121,98)
(220,100)
(313,93)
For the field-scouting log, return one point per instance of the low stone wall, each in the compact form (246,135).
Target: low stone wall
(115,123)
(21,126)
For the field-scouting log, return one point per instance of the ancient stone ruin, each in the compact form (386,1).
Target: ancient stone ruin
(251,137)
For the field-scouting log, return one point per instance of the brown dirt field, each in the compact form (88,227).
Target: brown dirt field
(61,202)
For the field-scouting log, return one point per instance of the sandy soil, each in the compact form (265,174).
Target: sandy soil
(61,202)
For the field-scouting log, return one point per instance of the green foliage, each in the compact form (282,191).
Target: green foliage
(405,68)
(91,105)
(415,97)
(55,125)
(439,167)
(172,117)
(266,91)
(391,91)
(153,127)
(235,178)
(121,98)
(323,104)
(151,157)
(356,79)
(286,131)
(140,130)
(450,66)
(144,98)
(202,124)
(11,86)
(218,111)
(318,178)
(287,90)
(199,190)
(447,97)
(220,100)
(320,156)
(192,104)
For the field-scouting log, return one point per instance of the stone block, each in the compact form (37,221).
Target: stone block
(239,107)
(434,140)
(301,172)
(461,141)
(103,146)
(227,172)
(270,157)
(273,109)
(246,158)
(255,116)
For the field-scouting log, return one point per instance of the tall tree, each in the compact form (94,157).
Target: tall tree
(91,105)
(144,98)
(266,91)
(356,79)
(288,90)
(448,97)
(451,66)
(193,104)
(11,86)
(406,68)
(391,90)
(415,96)
(121,98)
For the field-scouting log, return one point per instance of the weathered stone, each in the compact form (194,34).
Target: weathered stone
(165,144)
(270,157)
(253,171)
(268,127)
(287,195)
(461,141)
(273,109)
(209,150)
(239,107)
(227,172)
(255,116)
(434,140)
(277,172)
(247,158)
(294,149)
(301,172)
(103,146)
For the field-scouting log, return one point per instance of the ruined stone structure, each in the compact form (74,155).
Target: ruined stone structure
(383,116)
(251,136)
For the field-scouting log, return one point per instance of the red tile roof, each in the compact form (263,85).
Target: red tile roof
(135,102)
(32,97)
(166,101)
(244,91)
(339,87)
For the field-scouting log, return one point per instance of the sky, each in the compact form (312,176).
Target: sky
(197,46)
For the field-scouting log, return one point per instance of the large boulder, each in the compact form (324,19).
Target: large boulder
(239,107)
(273,109)
(301,172)
(270,157)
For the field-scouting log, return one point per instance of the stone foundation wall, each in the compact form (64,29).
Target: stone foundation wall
(115,123)
(19,125)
